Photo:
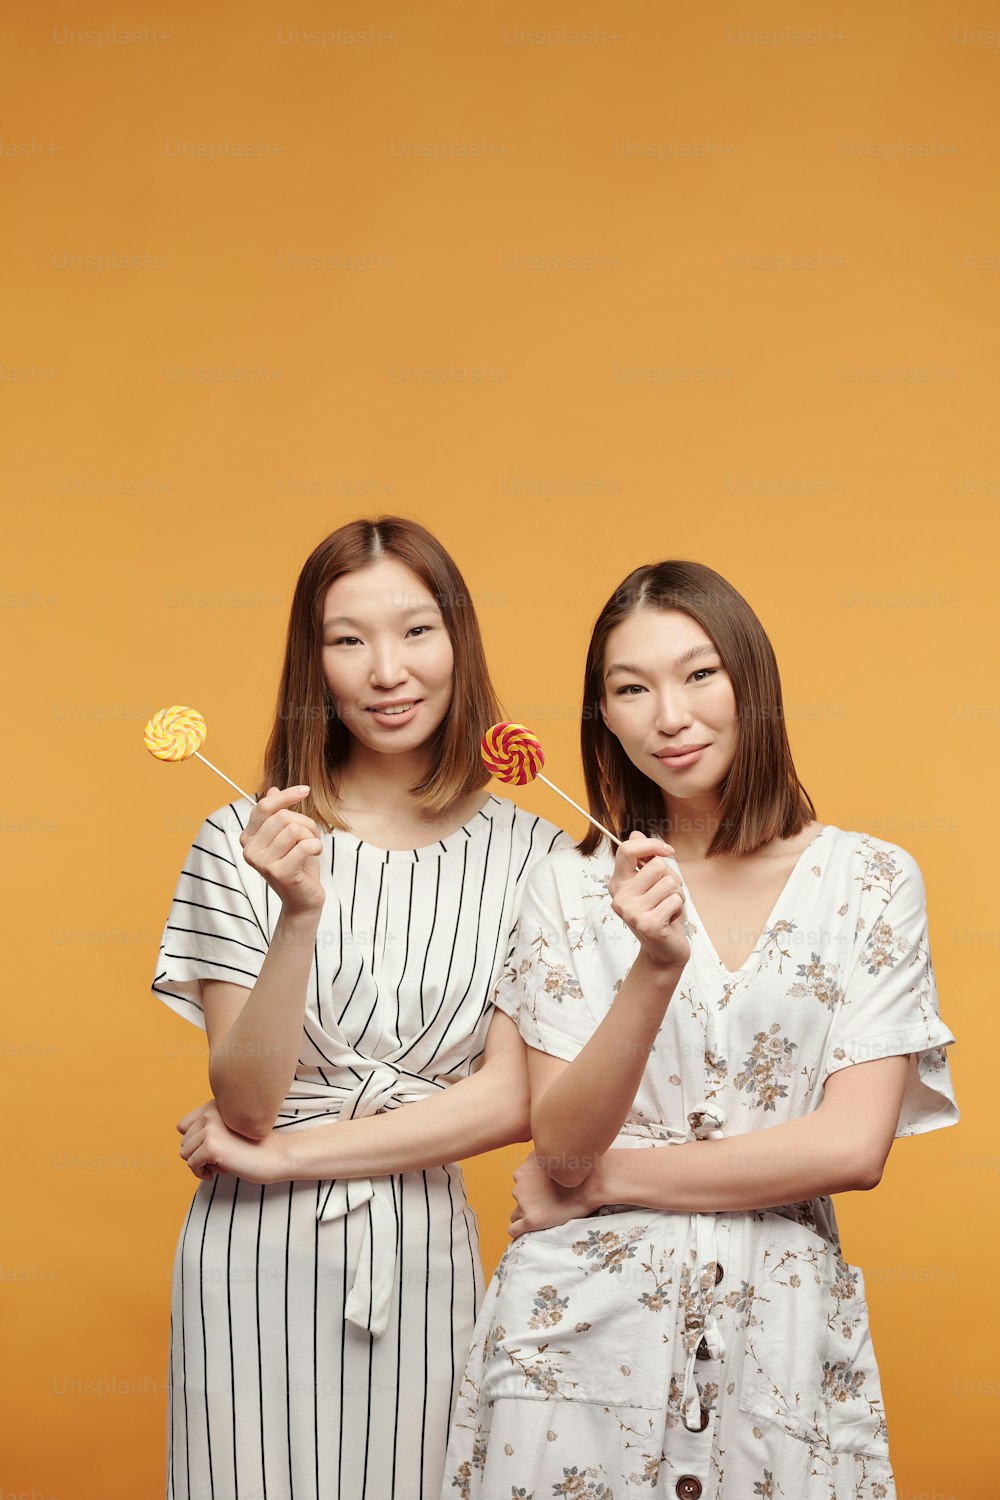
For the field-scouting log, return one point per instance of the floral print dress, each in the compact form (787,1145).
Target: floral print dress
(707,1356)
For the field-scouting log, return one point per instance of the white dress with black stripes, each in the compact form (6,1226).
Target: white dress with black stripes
(319,1329)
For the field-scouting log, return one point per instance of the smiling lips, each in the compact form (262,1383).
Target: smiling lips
(678,759)
(669,755)
(398,706)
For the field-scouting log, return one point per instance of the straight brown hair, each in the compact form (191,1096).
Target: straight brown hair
(761,796)
(309,744)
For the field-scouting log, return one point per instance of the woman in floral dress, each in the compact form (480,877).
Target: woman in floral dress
(753,990)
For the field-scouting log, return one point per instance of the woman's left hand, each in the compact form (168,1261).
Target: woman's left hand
(542,1203)
(209,1146)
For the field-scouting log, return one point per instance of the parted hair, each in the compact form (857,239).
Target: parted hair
(761,795)
(308,743)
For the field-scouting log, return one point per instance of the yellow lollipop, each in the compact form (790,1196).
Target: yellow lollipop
(176,733)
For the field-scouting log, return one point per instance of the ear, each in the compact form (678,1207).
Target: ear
(602,704)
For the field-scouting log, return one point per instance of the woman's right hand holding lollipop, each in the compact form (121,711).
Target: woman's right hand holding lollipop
(579,1107)
(650,901)
(284,846)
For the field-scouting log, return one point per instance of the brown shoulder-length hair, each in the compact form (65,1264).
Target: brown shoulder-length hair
(309,744)
(761,795)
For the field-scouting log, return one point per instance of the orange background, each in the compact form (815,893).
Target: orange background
(575,305)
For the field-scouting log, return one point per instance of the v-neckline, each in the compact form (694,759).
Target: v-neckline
(769,920)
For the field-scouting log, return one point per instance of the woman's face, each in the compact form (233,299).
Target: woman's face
(666,693)
(387,656)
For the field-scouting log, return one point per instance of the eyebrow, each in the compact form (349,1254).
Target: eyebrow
(631,671)
(404,614)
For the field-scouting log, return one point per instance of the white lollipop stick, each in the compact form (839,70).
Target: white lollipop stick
(566,798)
(208,763)
(173,734)
(513,754)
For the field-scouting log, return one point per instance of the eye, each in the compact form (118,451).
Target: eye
(343,640)
(419,627)
(710,671)
(629,690)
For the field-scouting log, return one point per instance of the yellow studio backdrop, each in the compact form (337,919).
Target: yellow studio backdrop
(579,288)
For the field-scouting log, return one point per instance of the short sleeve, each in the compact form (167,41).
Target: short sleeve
(540,988)
(560,840)
(890,1001)
(217,924)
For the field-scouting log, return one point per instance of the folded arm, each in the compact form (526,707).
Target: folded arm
(578,1107)
(841,1146)
(487,1109)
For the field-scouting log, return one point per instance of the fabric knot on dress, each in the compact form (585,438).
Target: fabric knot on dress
(384,1086)
(707,1122)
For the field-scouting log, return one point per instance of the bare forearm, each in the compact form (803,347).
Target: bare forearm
(479,1113)
(805,1158)
(252,1067)
(582,1111)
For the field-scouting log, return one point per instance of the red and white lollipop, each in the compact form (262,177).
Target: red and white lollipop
(514,755)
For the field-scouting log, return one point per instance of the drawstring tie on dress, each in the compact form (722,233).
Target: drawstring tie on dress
(706,1122)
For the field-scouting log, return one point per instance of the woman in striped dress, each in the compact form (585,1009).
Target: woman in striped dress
(340,940)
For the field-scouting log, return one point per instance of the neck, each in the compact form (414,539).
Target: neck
(694,822)
(372,781)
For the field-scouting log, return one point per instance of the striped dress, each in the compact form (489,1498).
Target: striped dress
(319,1329)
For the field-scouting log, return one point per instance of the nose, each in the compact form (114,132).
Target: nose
(672,712)
(388,670)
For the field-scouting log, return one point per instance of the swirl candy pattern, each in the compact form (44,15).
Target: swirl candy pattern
(512,753)
(175,733)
